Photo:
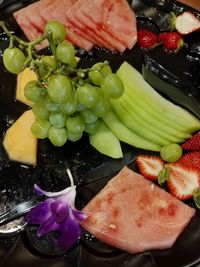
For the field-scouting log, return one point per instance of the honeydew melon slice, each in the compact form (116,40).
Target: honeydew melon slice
(170,113)
(151,123)
(126,135)
(131,119)
(134,125)
(106,142)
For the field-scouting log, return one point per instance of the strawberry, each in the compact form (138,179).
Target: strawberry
(162,36)
(187,23)
(191,159)
(172,41)
(147,39)
(193,144)
(183,180)
(149,166)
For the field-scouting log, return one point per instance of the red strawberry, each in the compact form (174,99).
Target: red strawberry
(162,36)
(193,144)
(191,159)
(172,41)
(182,180)
(149,166)
(187,23)
(147,39)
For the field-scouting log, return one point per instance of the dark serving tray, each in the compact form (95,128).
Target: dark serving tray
(16,180)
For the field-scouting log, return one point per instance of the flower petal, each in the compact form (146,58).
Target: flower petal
(60,210)
(69,197)
(48,226)
(40,213)
(39,191)
(79,215)
(70,232)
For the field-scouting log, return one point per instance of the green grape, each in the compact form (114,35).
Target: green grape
(40,129)
(50,105)
(40,111)
(91,128)
(171,152)
(14,59)
(57,119)
(70,106)
(88,95)
(80,107)
(75,124)
(45,64)
(88,116)
(59,88)
(34,92)
(97,72)
(65,52)
(73,63)
(112,86)
(73,137)
(57,29)
(57,136)
(101,108)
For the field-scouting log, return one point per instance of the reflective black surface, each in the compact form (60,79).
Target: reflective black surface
(16,181)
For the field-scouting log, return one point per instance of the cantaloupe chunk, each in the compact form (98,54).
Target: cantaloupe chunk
(23,78)
(19,142)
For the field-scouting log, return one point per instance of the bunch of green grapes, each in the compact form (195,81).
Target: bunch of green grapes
(67,100)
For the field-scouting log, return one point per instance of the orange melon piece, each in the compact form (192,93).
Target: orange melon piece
(23,78)
(19,142)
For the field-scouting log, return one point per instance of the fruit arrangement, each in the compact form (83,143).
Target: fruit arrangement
(68,101)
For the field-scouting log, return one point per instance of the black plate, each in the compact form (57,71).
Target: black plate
(16,180)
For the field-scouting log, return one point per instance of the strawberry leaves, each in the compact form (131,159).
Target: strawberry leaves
(163,175)
(196,197)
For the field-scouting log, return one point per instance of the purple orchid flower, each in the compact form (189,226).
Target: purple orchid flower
(58,213)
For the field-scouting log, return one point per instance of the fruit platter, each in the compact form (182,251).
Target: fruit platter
(100,133)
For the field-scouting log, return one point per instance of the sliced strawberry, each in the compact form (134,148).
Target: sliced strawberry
(187,22)
(183,180)
(147,39)
(149,166)
(191,159)
(192,144)
(172,41)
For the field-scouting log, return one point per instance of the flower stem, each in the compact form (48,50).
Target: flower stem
(70,177)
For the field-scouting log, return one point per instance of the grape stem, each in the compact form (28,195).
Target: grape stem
(52,46)
(20,41)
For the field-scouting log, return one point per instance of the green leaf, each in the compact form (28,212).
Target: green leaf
(163,175)
(196,197)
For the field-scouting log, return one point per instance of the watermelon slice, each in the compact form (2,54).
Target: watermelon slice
(57,12)
(85,20)
(134,215)
(28,29)
(85,31)
(115,17)
(32,11)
